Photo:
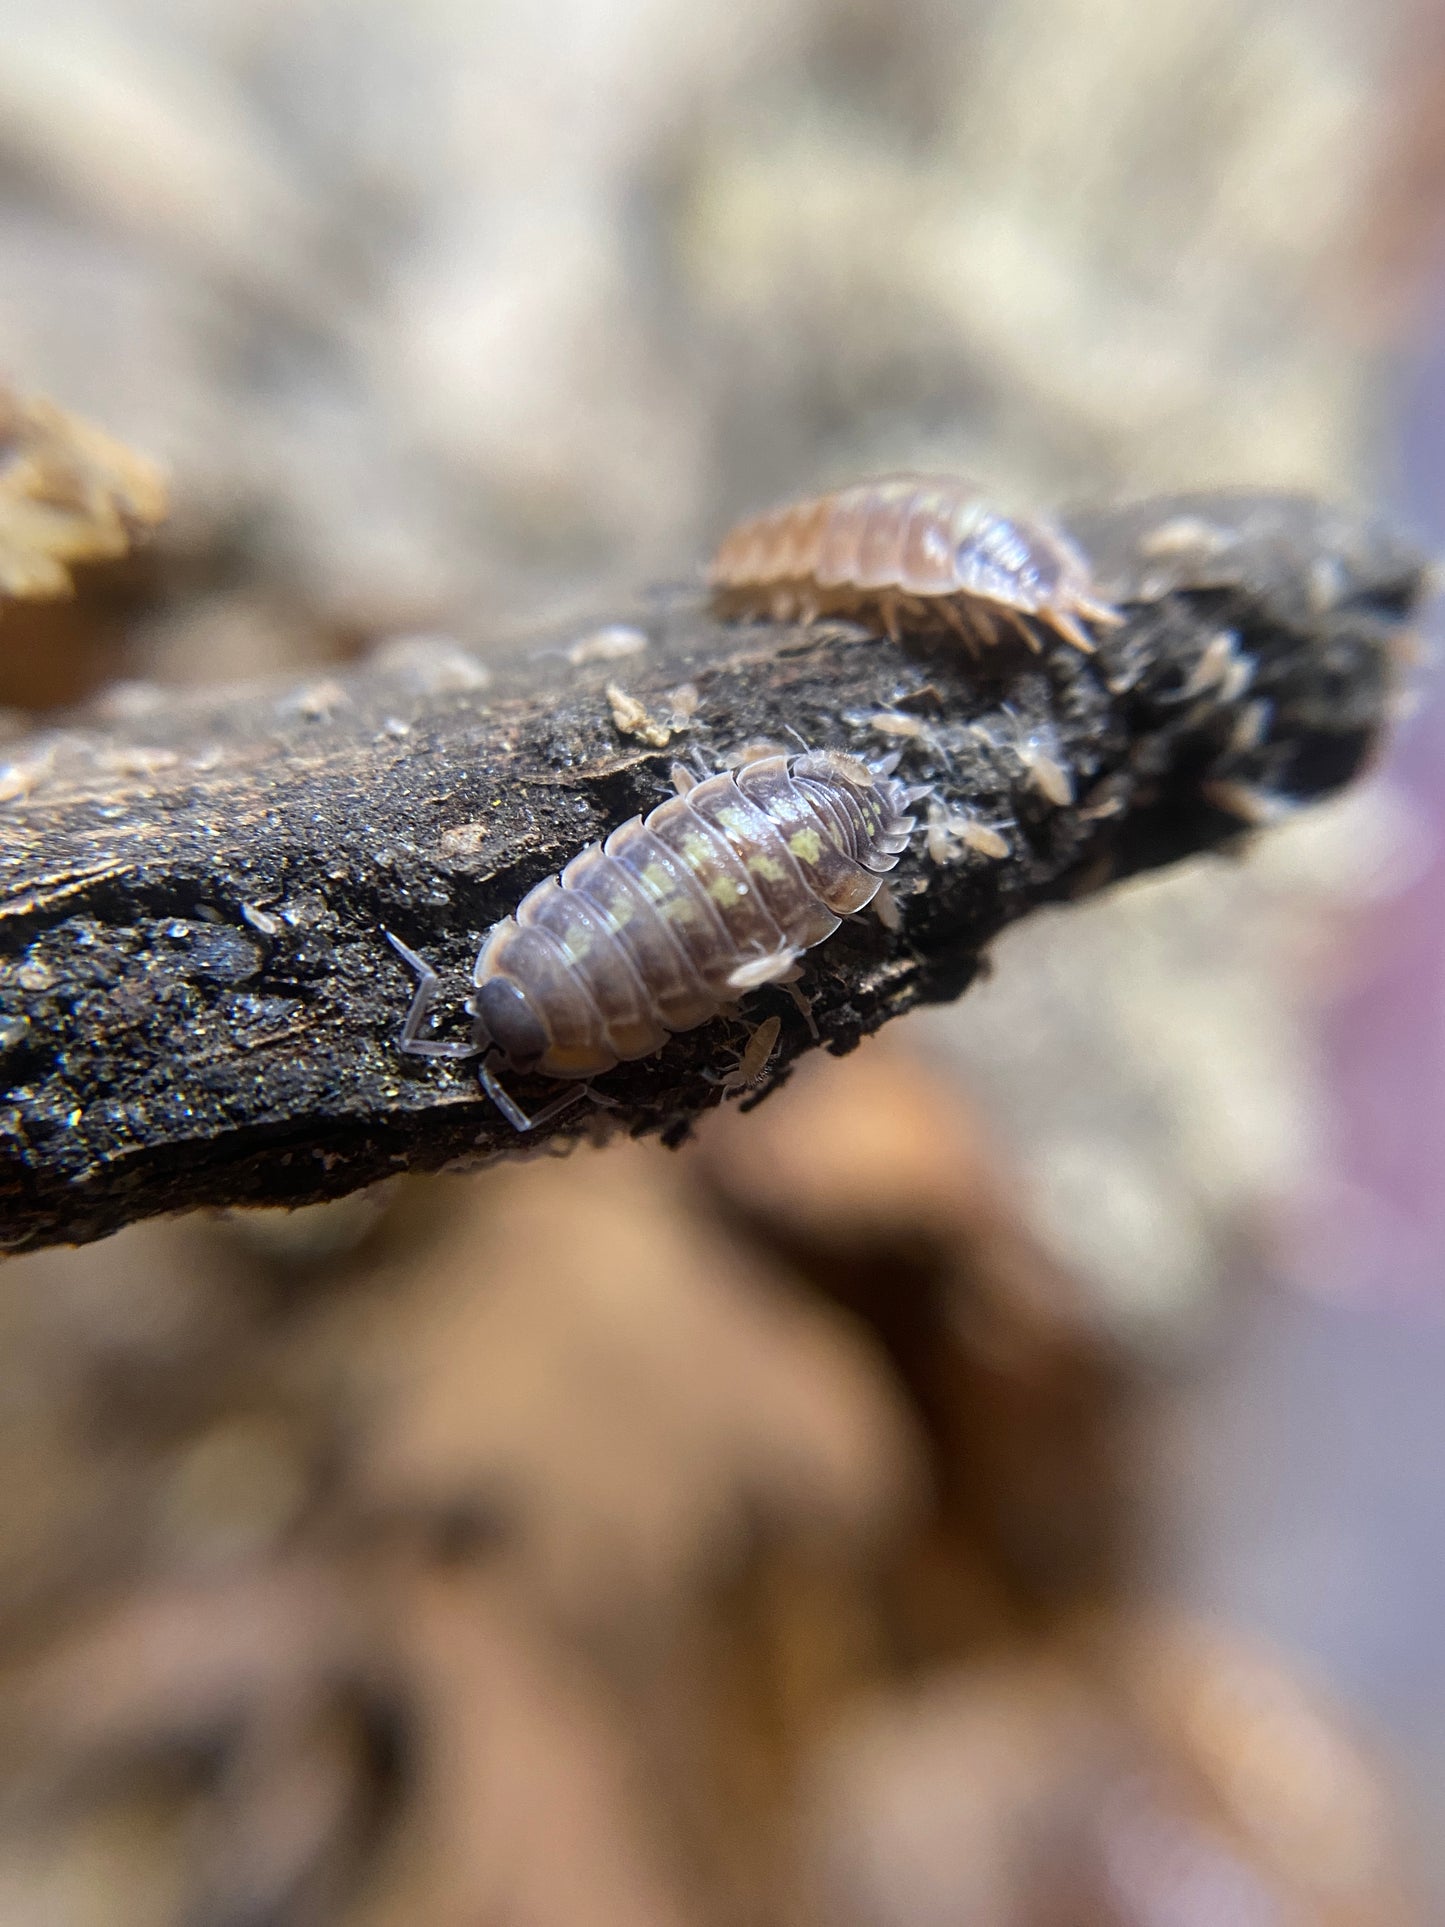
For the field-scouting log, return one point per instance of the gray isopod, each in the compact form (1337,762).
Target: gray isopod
(672,917)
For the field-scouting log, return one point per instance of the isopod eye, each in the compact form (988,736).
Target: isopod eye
(510,1021)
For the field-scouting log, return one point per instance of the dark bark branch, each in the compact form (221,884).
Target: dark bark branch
(196,1003)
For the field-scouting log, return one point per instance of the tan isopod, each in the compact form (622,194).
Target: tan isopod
(912,553)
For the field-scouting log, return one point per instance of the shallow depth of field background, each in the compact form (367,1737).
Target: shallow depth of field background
(998,1480)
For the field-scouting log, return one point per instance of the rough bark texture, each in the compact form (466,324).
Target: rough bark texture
(197,1005)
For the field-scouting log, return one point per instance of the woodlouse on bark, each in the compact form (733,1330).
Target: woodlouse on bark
(674,916)
(911,553)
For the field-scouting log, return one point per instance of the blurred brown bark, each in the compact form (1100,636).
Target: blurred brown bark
(197,1005)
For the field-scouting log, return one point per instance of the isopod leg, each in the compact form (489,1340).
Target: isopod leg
(427,982)
(805,1007)
(1104,613)
(969,631)
(682,779)
(1029,633)
(521,1120)
(1000,623)
(512,1111)
(1065,625)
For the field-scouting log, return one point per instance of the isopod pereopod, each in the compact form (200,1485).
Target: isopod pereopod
(915,553)
(672,917)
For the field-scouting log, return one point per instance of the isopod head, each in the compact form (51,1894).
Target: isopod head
(510,1022)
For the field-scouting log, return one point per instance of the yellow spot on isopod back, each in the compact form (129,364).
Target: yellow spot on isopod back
(727,891)
(767,867)
(806,845)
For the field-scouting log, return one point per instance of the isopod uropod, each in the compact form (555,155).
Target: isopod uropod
(673,916)
(913,552)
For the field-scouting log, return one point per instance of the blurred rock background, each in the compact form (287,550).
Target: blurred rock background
(996,1480)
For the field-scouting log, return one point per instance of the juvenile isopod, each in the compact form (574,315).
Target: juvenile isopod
(951,831)
(915,553)
(675,915)
(752,1059)
(1038,750)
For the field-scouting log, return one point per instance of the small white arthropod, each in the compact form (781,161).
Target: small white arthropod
(1185,535)
(951,832)
(674,916)
(893,722)
(753,1058)
(897,725)
(611,643)
(27,772)
(888,910)
(1213,664)
(911,552)
(752,751)
(1221,668)
(1047,774)
(1108,798)
(632,718)
(1038,750)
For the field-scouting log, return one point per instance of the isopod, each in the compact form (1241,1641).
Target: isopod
(1038,750)
(912,552)
(950,829)
(672,917)
(752,1059)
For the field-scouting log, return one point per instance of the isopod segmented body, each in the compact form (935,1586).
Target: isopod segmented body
(913,552)
(678,913)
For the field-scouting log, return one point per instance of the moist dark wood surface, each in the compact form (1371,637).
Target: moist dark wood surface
(198,1007)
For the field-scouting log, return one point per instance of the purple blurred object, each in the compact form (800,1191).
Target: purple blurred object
(1383,1037)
